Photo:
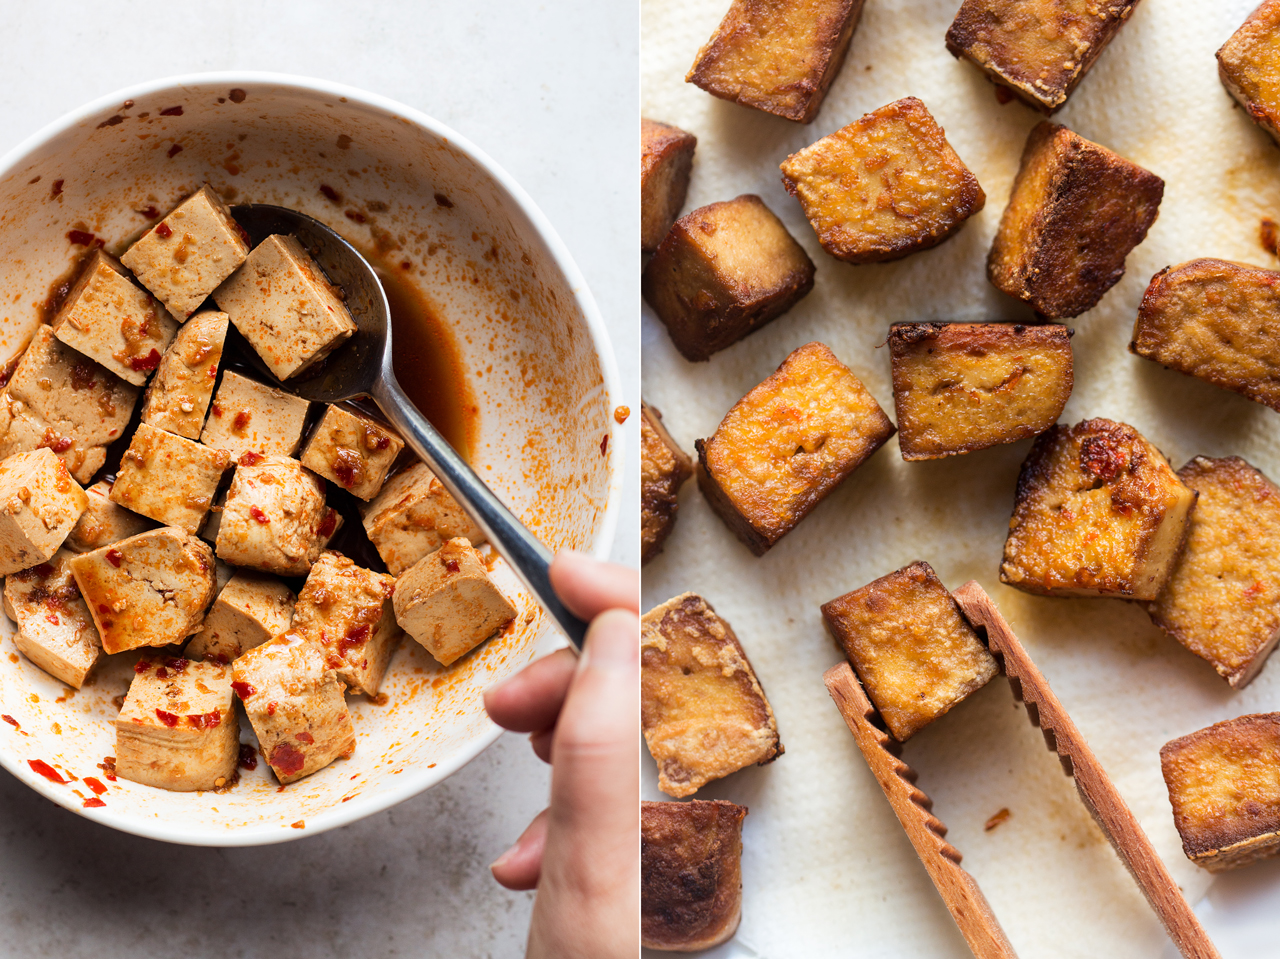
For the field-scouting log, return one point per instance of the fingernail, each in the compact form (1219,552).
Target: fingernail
(613,640)
(502,860)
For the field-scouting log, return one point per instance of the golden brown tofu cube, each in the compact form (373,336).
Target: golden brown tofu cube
(779,57)
(1225,791)
(703,712)
(690,873)
(1098,512)
(1249,66)
(960,387)
(1037,49)
(1075,212)
(787,444)
(885,186)
(916,655)
(664,468)
(724,271)
(1222,600)
(1217,321)
(666,157)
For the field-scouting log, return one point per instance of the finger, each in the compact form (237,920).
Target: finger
(589,587)
(541,743)
(519,867)
(531,699)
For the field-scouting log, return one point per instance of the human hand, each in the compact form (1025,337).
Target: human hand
(583,712)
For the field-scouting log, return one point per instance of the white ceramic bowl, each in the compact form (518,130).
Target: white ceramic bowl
(537,362)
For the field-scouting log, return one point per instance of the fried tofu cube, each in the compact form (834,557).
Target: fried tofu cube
(168,478)
(1225,792)
(39,506)
(285,307)
(104,522)
(1075,212)
(447,602)
(1099,512)
(59,398)
(178,397)
(777,57)
(1249,63)
(55,630)
(296,706)
(1217,321)
(787,444)
(275,518)
(666,158)
(251,417)
(960,387)
(352,450)
(1037,50)
(664,467)
(178,727)
(148,590)
(703,711)
(414,515)
(913,650)
(109,319)
(346,611)
(1222,600)
(184,257)
(250,609)
(690,873)
(724,271)
(883,187)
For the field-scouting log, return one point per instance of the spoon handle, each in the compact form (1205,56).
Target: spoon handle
(511,538)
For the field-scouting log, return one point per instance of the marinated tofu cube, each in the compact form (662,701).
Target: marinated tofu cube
(913,650)
(1036,49)
(61,399)
(666,157)
(346,611)
(178,727)
(39,505)
(275,518)
(702,710)
(960,387)
(148,590)
(1224,791)
(690,873)
(184,257)
(787,444)
(1098,512)
(352,450)
(1216,321)
(724,271)
(1075,212)
(55,630)
(883,187)
(447,602)
(285,307)
(169,478)
(413,516)
(109,319)
(178,397)
(251,417)
(296,706)
(104,522)
(664,467)
(777,57)
(250,609)
(1222,600)
(1249,63)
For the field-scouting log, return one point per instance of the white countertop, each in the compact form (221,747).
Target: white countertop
(551,92)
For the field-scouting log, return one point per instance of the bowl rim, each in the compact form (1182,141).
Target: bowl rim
(421,779)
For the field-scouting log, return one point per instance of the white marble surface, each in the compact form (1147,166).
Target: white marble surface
(551,92)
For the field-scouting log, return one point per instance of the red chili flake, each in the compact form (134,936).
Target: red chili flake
(175,150)
(1253,590)
(250,458)
(328,524)
(52,618)
(355,638)
(82,376)
(604,445)
(56,189)
(162,673)
(93,802)
(248,757)
(243,690)
(220,658)
(115,557)
(444,201)
(271,708)
(171,112)
(81,238)
(241,420)
(45,770)
(382,443)
(451,565)
(108,767)
(177,664)
(103,608)
(217,410)
(1003,94)
(95,785)
(163,231)
(237,96)
(150,212)
(141,666)
(243,233)
(205,720)
(44,569)
(287,759)
(330,193)
(1101,458)
(148,362)
(11,721)
(354,215)
(111,121)
(169,719)
(304,737)
(258,515)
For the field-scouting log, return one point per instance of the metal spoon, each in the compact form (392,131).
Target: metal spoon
(362,366)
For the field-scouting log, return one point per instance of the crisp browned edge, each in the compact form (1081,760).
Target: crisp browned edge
(661,142)
(684,470)
(759,543)
(1258,113)
(1095,788)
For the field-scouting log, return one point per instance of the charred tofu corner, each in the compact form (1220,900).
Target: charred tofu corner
(666,158)
(664,468)
(1249,62)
